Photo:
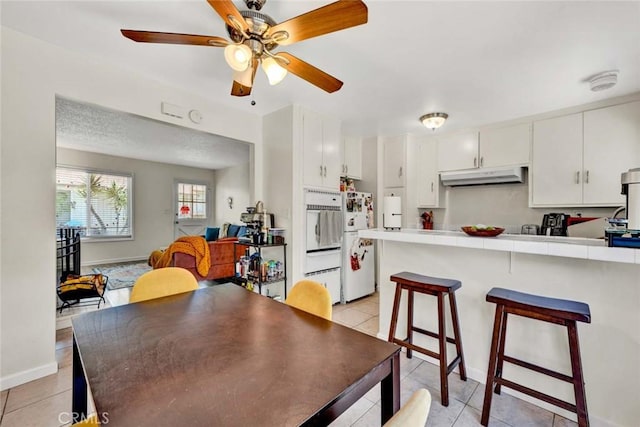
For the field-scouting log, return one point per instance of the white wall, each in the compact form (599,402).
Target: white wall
(505,205)
(153,210)
(33,73)
(231,182)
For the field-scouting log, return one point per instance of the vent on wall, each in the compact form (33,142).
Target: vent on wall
(483,176)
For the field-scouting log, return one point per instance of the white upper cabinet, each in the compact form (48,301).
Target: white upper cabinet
(425,163)
(557,161)
(352,155)
(322,157)
(394,161)
(507,146)
(578,159)
(611,146)
(459,151)
(331,153)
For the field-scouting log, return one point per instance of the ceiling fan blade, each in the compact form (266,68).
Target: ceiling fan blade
(238,89)
(225,9)
(327,19)
(173,38)
(309,73)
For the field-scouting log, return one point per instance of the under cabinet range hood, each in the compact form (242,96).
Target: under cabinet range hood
(483,176)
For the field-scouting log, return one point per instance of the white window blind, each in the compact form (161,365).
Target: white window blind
(98,204)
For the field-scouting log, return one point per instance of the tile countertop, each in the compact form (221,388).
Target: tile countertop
(571,247)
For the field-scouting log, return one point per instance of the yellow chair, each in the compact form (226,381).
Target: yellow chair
(311,297)
(90,421)
(162,282)
(414,413)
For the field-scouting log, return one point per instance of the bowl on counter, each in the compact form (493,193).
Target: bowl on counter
(490,231)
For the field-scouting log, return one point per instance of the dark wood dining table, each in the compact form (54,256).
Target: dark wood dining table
(224,356)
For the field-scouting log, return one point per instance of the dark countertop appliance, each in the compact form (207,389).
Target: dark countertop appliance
(626,232)
(554,224)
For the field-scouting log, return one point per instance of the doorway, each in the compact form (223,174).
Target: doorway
(192,208)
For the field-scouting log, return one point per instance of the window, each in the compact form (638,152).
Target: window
(99,204)
(192,201)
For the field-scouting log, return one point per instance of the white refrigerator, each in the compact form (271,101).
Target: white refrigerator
(358,276)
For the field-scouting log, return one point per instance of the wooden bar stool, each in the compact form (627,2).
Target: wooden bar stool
(553,310)
(437,287)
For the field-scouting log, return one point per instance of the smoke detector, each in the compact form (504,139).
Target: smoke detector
(604,80)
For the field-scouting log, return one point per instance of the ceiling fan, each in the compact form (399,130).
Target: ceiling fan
(255,37)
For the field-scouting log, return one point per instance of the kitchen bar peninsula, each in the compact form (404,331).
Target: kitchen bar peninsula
(586,270)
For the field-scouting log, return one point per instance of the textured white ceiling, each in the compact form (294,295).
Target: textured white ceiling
(99,130)
(480,62)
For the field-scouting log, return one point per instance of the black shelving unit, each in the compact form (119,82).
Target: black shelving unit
(257,279)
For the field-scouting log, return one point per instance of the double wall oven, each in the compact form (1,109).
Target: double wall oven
(323,240)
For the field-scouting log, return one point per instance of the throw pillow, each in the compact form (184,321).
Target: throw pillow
(212,234)
(224,230)
(242,231)
(232,231)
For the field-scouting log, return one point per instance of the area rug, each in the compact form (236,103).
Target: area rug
(122,275)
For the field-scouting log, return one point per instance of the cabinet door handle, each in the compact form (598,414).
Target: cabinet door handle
(475,162)
(432,186)
(346,168)
(578,177)
(481,161)
(586,177)
(320,170)
(400,172)
(325,171)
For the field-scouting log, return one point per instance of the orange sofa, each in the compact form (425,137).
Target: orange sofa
(223,260)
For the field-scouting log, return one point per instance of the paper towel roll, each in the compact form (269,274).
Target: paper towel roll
(633,210)
(392,213)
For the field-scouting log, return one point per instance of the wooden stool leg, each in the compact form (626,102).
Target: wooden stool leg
(457,334)
(491,370)
(409,321)
(394,313)
(500,361)
(442,344)
(578,379)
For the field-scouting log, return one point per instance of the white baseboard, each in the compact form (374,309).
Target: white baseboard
(19,378)
(113,261)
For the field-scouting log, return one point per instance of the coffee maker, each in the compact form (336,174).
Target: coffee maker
(257,225)
(554,224)
(626,232)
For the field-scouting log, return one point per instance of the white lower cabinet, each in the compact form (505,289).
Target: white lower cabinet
(330,279)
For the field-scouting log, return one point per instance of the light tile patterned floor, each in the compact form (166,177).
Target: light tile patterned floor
(44,402)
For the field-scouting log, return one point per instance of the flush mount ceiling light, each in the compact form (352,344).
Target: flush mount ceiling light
(433,120)
(604,80)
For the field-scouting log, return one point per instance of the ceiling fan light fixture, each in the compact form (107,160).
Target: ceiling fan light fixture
(433,120)
(238,56)
(275,73)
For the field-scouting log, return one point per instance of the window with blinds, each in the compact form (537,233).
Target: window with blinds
(98,204)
